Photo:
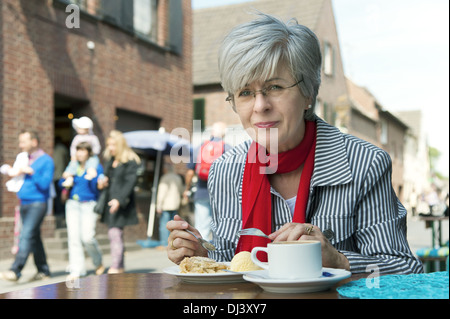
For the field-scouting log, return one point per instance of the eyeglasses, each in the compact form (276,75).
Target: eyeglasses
(246,97)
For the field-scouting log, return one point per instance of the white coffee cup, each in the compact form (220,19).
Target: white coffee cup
(291,259)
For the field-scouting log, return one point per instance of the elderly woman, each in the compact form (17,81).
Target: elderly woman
(299,178)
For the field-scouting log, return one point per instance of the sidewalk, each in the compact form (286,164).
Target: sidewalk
(147,260)
(144,260)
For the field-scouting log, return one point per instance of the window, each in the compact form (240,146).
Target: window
(199,111)
(175,40)
(144,18)
(136,16)
(91,7)
(139,17)
(328,59)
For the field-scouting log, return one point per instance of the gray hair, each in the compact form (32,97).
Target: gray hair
(252,52)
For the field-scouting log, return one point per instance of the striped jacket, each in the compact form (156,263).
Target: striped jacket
(351,197)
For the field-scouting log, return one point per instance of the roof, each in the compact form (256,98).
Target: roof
(362,100)
(212,24)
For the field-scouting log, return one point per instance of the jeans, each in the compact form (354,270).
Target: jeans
(166,216)
(30,238)
(81,221)
(203,217)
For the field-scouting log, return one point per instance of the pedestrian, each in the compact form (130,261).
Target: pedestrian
(203,158)
(299,178)
(33,196)
(432,200)
(81,219)
(84,128)
(118,187)
(168,201)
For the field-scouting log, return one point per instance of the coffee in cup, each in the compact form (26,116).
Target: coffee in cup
(291,259)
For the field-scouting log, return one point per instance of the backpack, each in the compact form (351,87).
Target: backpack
(209,152)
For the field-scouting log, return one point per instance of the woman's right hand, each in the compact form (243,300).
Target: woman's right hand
(102,182)
(181,243)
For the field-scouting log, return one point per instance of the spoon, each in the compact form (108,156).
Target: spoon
(205,244)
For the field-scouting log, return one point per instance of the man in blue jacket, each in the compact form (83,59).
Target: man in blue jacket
(33,195)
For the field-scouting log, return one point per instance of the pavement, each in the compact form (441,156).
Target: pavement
(152,260)
(142,260)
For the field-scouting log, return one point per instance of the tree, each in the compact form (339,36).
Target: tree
(434,154)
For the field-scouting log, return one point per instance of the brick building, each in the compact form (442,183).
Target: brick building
(127,65)
(362,115)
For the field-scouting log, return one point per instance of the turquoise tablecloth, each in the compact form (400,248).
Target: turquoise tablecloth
(416,286)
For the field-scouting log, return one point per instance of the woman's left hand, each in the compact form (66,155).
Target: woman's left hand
(331,258)
(114,205)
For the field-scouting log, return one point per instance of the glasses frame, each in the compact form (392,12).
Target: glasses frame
(230,98)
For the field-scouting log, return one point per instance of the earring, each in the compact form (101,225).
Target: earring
(309,106)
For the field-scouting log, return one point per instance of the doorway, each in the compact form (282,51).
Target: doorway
(66,109)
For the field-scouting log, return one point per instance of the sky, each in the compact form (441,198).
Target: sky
(399,51)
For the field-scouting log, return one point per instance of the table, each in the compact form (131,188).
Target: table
(158,286)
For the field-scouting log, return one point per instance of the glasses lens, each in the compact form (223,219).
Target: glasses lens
(246,98)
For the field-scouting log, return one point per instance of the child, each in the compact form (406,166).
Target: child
(84,127)
(16,182)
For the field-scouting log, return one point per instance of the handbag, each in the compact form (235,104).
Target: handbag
(99,208)
(102,200)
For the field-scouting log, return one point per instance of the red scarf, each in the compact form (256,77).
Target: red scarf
(256,197)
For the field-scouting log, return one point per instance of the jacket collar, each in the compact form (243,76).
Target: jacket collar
(331,166)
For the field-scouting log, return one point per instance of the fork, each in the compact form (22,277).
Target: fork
(252,232)
(206,244)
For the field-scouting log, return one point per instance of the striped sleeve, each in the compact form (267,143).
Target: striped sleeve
(224,186)
(380,220)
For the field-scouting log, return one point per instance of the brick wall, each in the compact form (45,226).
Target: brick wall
(41,57)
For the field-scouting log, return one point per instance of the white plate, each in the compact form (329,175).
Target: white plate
(216,278)
(262,279)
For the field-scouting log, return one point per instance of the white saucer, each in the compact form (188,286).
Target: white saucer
(262,279)
(215,278)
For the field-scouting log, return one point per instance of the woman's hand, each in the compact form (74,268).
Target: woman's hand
(102,182)
(331,258)
(114,205)
(181,243)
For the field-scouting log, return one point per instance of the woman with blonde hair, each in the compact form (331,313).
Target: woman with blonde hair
(118,185)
